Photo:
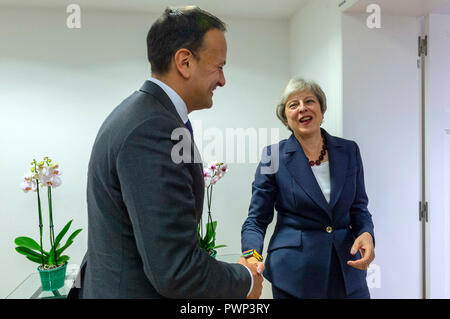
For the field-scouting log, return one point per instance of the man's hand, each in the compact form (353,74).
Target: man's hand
(257,269)
(252,260)
(364,243)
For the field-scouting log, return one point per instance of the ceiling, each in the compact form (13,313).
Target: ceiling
(414,8)
(272,9)
(268,9)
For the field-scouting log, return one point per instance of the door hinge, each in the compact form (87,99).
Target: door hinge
(423,46)
(423,211)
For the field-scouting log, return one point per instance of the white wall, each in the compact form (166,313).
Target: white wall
(438,153)
(316,54)
(57,86)
(256,71)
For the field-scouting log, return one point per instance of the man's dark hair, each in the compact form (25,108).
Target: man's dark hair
(178,28)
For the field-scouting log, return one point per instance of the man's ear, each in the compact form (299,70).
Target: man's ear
(183,59)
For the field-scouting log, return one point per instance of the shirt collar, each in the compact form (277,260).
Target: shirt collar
(177,101)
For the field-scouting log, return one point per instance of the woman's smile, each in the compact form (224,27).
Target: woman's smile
(305,120)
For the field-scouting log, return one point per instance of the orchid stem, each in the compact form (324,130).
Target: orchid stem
(40,222)
(52,231)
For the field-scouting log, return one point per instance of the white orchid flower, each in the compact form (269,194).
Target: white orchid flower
(213,172)
(28,177)
(51,180)
(50,176)
(29,186)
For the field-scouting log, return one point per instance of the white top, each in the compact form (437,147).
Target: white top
(322,174)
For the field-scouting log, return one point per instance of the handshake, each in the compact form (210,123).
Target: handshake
(256,267)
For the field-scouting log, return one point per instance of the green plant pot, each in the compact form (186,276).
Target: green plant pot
(53,279)
(212,253)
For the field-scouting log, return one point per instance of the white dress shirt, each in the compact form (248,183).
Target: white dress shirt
(181,108)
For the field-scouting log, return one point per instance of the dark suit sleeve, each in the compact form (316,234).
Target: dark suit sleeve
(361,219)
(160,202)
(261,210)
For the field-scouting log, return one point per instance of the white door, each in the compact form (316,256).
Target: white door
(437,167)
(382,113)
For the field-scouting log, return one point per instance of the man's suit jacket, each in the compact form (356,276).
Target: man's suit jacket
(308,227)
(143,210)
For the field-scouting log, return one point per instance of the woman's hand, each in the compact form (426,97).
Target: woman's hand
(256,268)
(259,264)
(364,243)
(252,260)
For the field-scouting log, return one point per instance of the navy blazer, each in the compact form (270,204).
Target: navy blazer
(299,252)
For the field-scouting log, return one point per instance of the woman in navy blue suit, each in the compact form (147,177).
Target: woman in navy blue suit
(323,240)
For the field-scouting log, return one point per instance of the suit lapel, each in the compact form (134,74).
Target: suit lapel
(301,172)
(156,91)
(338,160)
(153,89)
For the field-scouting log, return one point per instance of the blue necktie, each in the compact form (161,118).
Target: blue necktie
(189,127)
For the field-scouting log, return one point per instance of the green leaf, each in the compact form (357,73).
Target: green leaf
(74,234)
(213,232)
(60,251)
(210,231)
(63,259)
(62,233)
(220,246)
(35,259)
(38,249)
(51,259)
(27,242)
(28,252)
(68,243)
(212,226)
(208,242)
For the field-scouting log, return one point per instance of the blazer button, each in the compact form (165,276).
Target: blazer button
(329,229)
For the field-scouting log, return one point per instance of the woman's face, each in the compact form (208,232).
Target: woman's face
(303,113)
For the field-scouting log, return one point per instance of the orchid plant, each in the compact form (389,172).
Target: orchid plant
(44,174)
(212,173)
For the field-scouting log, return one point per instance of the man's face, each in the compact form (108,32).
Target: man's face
(207,69)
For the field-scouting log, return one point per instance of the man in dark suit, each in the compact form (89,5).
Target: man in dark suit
(143,203)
